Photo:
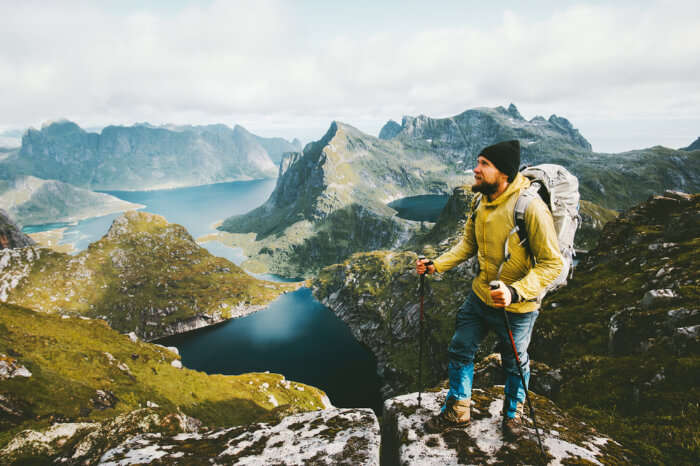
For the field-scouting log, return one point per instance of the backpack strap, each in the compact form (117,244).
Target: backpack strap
(526,196)
(475,205)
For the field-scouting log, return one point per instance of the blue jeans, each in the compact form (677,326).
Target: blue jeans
(474,319)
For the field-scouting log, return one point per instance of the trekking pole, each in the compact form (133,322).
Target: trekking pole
(495,286)
(420,338)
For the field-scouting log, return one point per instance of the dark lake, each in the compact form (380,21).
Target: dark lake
(425,208)
(296,336)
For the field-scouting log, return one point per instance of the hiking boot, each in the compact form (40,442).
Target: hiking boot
(455,414)
(512,426)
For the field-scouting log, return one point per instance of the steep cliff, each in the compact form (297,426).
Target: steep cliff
(145,275)
(142,156)
(10,235)
(330,201)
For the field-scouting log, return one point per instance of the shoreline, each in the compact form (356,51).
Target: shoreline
(50,239)
(170,187)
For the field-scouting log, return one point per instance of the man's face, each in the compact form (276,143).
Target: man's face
(487,176)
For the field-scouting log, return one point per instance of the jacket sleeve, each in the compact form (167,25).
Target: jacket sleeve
(460,251)
(544,246)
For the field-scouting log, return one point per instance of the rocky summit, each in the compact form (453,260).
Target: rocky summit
(145,276)
(565,440)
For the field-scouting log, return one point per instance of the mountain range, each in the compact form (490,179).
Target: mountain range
(331,199)
(143,156)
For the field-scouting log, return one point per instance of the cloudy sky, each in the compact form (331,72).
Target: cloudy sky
(627,74)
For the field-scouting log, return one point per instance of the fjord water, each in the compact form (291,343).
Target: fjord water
(295,336)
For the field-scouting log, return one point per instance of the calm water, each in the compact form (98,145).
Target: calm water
(195,208)
(424,208)
(295,336)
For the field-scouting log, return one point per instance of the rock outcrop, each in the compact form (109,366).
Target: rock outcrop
(565,439)
(11,236)
(633,343)
(143,156)
(145,275)
(330,201)
(332,436)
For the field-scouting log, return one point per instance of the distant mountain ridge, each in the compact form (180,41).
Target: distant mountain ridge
(616,181)
(143,156)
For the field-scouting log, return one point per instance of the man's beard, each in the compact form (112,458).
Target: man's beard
(485,188)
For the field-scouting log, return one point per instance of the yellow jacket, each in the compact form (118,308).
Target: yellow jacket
(486,236)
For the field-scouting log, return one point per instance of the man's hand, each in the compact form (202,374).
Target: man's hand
(423,265)
(500,294)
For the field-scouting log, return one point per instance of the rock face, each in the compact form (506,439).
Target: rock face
(330,200)
(332,436)
(145,275)
(565,440)
(33,201)
(143,156)
(615,181)
(634,341)
(10,234)
(335,436)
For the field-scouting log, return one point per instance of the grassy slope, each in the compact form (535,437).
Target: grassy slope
(639,381)
(144,270)
(68,361)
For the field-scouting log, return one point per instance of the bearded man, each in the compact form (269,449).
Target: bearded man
(522,280)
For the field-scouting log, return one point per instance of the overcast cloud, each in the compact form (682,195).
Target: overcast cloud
(626,76)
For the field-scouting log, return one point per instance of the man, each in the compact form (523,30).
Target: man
(522,280)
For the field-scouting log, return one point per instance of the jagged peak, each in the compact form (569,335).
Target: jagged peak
(390,130)
(513,111)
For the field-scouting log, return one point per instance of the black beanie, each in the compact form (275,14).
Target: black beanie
(505,155)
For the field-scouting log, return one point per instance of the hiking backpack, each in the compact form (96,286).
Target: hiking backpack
(558,188)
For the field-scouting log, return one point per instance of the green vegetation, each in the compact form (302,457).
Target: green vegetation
(145,275)
(632,369)
(71,359)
